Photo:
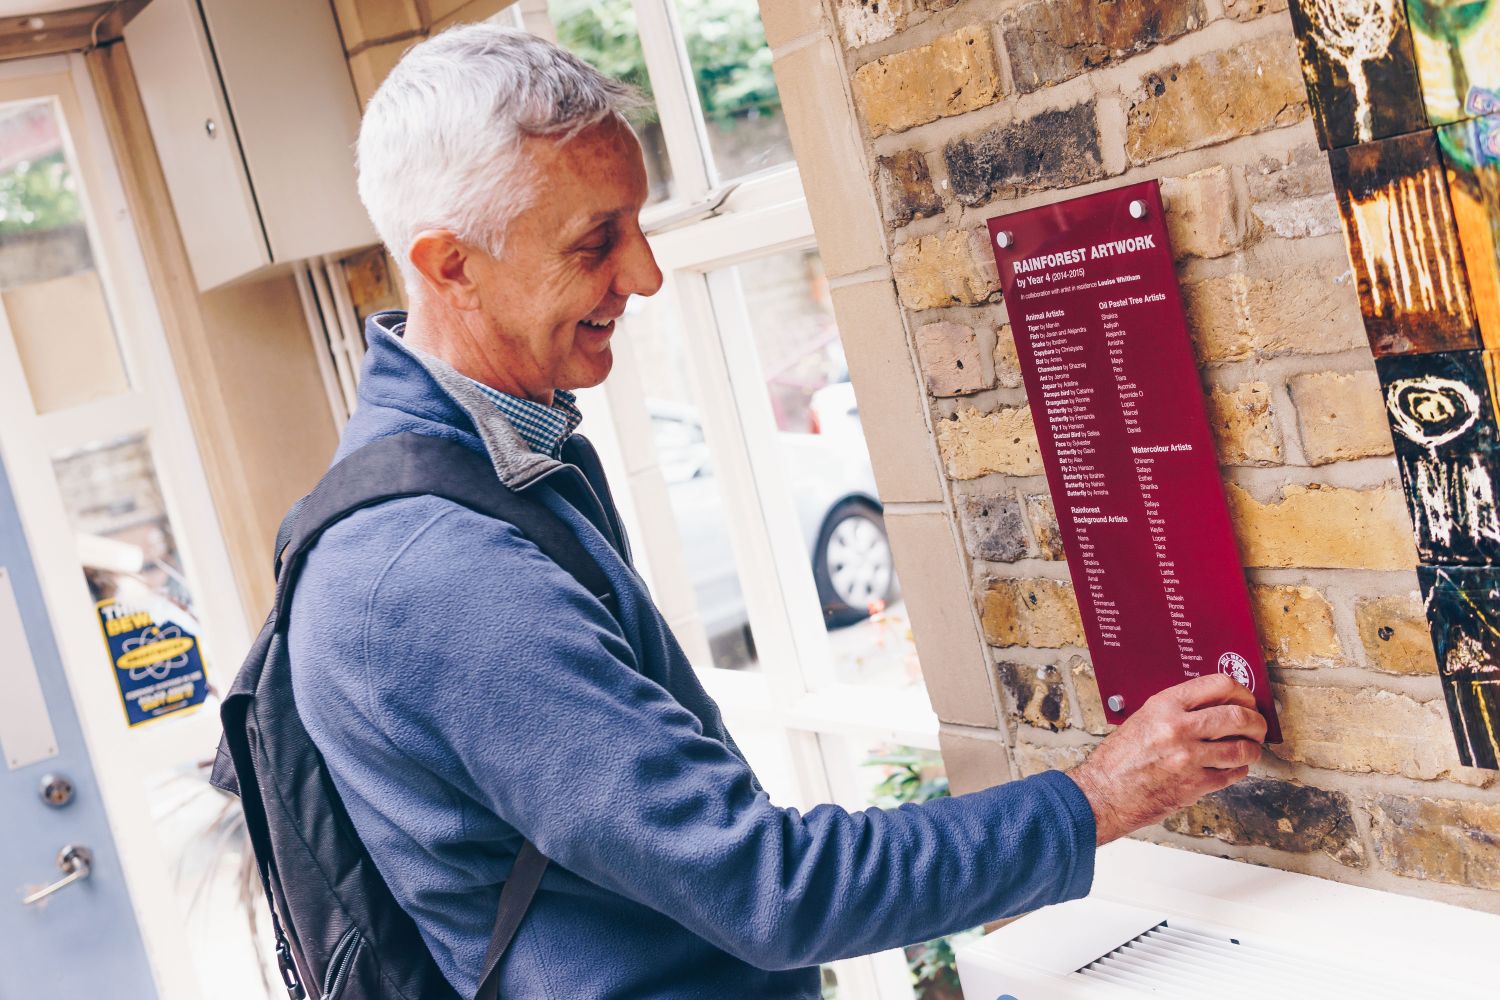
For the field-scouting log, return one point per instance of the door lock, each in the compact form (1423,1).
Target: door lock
(57,790)
(75,862)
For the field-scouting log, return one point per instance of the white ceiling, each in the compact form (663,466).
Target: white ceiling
(20,8)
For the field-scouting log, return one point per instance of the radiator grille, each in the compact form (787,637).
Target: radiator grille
(1188,963)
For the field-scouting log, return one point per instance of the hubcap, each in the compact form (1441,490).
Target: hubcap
(859,561)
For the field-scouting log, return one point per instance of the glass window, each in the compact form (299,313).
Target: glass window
(785,304)
(603,33)
(731,66)
(49,284)
(720,631)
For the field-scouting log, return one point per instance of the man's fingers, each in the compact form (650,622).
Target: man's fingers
(1217,779)
(1210,689)
(1228,754)
(1219,722)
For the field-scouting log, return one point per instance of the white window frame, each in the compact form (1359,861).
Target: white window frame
(705,228)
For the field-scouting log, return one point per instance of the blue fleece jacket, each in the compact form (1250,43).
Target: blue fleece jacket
(467,693)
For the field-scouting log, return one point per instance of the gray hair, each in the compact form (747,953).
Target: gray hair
(440,143)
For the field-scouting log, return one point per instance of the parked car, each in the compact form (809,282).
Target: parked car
(838,511)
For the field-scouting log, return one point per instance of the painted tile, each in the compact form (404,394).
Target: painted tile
(1471,152)
(1398,223)
(1458,56)
(1442,413)
(1360,69)
(1463,610)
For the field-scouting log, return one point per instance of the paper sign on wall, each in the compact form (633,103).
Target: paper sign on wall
(157,663)
(1091,289)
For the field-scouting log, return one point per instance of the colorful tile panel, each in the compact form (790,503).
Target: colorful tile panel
(1404,245)
(1471,153)
(1442,413)
(1360,68)
(1457,45)
(1463,609)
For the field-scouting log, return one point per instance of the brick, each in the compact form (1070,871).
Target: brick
(1341,415)
(371,66)
(1043,518)
(1296,626)
(1243,425)
(906,189)
(1007,361)
(975,444)
(447,13)
(1440,840)
(1277,814)
(1304,309)
(1033,758)
(955,74)
(1395,635)
(993,528)
(1055,149)
(1038,613)
(1292,196)
(1327,527)
(787,20)
(1037,694)
(945,269)
(949,354)
(1249,10)
(1216,97)
(1050,41)
(364,21)
(1366,730)
(1205,215)
(865,22)
(1086,694)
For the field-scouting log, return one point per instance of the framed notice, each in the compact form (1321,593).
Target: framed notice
(1091,288)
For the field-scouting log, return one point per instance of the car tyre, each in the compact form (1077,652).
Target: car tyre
(852,563)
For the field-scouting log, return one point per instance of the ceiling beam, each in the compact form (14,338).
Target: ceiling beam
(72,30)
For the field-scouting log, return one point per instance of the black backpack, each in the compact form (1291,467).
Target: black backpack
(340,934)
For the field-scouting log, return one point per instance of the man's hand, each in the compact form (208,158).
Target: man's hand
(1187,741)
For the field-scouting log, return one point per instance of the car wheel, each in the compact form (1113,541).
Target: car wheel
(852,563)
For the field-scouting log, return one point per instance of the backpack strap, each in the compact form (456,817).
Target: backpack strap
(411,465)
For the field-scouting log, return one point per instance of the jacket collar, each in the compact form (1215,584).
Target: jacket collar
(401,378)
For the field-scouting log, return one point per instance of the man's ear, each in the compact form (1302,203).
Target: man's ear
(446,265)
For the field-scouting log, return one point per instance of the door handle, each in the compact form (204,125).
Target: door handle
(75,862)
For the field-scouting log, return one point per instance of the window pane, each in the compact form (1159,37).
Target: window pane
(128,550)
(49,285)
(695,494)
(731,66)
(784,298)
(603,34)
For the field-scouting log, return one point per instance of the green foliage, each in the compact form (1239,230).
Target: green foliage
(726,48)
(38,194)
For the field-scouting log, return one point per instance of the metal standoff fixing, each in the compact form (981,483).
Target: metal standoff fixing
(1137,209)
(1116,703)
(1005,239)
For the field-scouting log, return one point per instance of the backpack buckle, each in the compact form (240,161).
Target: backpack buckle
(288,970)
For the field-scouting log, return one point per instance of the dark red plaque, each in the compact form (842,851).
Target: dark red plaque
(1114,390)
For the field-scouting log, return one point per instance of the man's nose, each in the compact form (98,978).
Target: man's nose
(639,274)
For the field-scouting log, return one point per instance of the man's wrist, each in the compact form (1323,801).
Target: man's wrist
(1106,820)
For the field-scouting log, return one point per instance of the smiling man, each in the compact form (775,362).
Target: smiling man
(468,695)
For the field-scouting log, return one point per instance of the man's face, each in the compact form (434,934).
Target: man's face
(570,261)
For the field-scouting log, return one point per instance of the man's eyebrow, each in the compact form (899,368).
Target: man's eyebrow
(599,217)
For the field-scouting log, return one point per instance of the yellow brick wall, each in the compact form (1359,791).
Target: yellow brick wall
(916,120)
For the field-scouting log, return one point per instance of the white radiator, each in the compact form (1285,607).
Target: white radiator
(1181,926)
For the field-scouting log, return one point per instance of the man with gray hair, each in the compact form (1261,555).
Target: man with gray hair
(468,695)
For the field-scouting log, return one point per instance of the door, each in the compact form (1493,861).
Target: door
(81,940)
(123,591)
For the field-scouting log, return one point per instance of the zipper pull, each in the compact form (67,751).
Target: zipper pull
(284,962)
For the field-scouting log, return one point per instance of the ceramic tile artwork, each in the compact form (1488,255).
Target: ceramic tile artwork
(1457,45)
(1471,153)
(1360,68)
(1442,413)
(1403,243)
(1463,609)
